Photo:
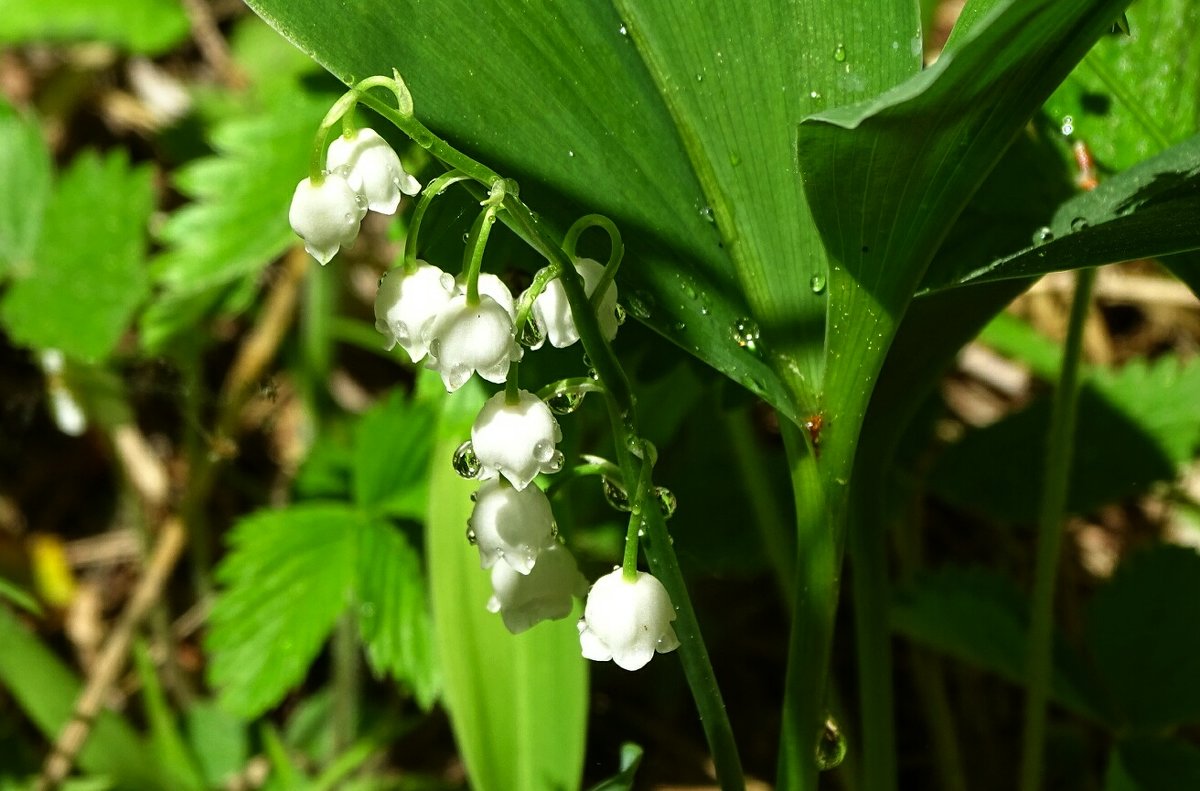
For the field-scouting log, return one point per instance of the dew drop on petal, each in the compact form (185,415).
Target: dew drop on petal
(471,536)
(554,463)
(543,451)
(465,462)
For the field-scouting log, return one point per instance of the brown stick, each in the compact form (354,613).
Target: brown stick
(112,657)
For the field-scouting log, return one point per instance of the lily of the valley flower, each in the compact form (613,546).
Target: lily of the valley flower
(516,440)
(552,313)
(372,169)
(544,594)
(492,286)
(465,338)
(512,525)
(627,621)
(407,304)
(326,215)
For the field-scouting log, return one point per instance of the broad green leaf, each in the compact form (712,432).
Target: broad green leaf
(736,102)
(887,177)
(517,703)
(391,456)
(1149,210)
(165,737)
(979,618)
(1147,410)
(87,275)
(145,26)
(393,615)
(488,76)
(218,740)
(45,690)
(25,170)
(1141,631)
(1134,95)
(1149,764)
(286,580)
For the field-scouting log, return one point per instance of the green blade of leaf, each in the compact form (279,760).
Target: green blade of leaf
(517,703)
(46,691)
(165,736)
(736,101)
(1149,210)
(980,618)
(25,171)
(286,580)
(631,759)
(488,76)
(145,26)
(899,168)
(1150,764)
(1138,628)
(391,455)
(218,740)
(393,616)
(88,274)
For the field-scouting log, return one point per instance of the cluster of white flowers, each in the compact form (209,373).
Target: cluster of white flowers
(436,319)
(361,172)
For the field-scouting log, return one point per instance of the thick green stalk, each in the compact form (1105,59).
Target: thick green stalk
(1055,479)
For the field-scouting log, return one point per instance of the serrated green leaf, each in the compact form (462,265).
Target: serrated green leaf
(238,222)
(393,615)
(391,457)
(287,578)
(25,171)
(88,274)
(145,26)
(46,691)
(980,618)
(517,703)
(613,146)
(1141,630)
(1135,427)
(1153,765)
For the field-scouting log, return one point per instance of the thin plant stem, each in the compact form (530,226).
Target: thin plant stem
(1055,479)
(432,190)
(347,683)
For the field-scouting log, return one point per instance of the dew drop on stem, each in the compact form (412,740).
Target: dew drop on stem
(564,403)
(667,502)
(615,494)
(831,749)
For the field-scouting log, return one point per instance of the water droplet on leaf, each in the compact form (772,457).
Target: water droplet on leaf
(1079,224)
(619,315)
(1068,125)
(1043,235)
(745,333)
(667,502)
(831,749)
(839,53)
(817,283)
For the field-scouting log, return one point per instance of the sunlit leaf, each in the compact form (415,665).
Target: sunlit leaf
(391,457)
(25,171)
(146,26)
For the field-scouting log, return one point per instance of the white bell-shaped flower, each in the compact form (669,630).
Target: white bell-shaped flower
(372,169)
(516,440)
(546,593)
(465,338)
(326,215)
(552,312)
(492,286)
(511,525)
(407,304)
(627,621)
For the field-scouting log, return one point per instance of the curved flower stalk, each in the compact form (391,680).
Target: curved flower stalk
(516,440)
(627,620)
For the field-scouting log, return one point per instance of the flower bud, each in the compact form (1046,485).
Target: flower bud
(407,304)
(627,621)
(372,169)
(511,525)
(326,215)
(544,594)
(552,312)
(466,338)
(516,440)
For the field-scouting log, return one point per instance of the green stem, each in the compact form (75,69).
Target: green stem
(615,255)
(1059,446)
(473,256)
(347,682)
(432,190)
(512,391)
(571,386)
(820,515)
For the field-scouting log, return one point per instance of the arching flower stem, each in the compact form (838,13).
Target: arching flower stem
(432,190)
(615,255)
(473,255)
